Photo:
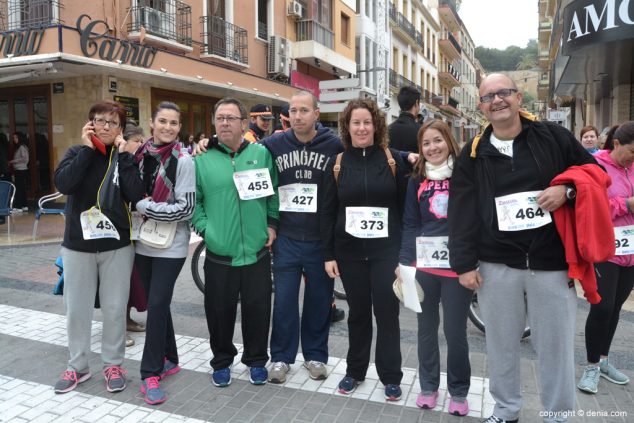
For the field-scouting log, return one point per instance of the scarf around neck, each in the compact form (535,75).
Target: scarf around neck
(160,158)
(439,172)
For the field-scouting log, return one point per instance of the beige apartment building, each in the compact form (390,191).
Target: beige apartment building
(58,57)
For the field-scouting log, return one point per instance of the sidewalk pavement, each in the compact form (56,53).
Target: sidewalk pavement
(33,344)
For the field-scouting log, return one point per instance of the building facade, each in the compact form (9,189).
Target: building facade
(58,57)
(585,54)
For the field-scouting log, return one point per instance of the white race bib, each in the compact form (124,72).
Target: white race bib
(300,198)
(136,220)
(95,225)
(367,222)
(254,183)
(432,251)
(517,212)
(624,237)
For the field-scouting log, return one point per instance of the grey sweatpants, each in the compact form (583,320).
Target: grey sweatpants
(551,304)
(81,272)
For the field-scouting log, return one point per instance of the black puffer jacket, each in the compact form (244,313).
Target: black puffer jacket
(540,152)
(365,180)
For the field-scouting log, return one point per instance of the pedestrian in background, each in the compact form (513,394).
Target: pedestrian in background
(589,138)
(20,164)
(615,277)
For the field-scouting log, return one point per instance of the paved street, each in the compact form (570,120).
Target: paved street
(33,346)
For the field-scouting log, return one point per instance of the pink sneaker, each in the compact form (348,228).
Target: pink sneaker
(427,400)
(459,407)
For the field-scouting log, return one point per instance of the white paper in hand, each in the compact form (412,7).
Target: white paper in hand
(410,297)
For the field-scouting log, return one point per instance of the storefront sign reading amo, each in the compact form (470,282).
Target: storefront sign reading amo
(94,43)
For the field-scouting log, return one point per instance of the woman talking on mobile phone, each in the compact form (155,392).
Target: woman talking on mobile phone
(170,182)
(96,247)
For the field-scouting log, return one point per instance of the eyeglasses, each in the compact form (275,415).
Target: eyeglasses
(229,119)
(103,122)
(503,93)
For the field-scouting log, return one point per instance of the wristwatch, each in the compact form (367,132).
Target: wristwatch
(571,192)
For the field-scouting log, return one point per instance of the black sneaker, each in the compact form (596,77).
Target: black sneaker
(69,381)
(337,315)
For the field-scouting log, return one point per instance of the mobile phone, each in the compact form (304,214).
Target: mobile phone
(99,145)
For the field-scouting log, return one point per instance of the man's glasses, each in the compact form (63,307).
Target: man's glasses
(102,122)
(503,93)
(229,119)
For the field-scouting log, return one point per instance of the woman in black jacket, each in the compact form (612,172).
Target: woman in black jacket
(363,194)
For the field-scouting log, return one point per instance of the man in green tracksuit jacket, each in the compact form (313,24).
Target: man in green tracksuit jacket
(237,212)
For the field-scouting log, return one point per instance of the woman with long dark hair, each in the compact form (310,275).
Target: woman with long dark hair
(424,245)
(20,163)
(170,183)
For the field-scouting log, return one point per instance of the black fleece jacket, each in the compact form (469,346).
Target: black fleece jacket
(540,152)
(365,180)
(79,176)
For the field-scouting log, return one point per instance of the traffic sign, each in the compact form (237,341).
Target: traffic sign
(332,107)
(339,83)
(339,95)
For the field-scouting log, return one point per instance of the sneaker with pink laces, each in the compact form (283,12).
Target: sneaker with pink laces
(69,381)
(152,391)
(427,399)
(169,369)
(115,378)
(458,406)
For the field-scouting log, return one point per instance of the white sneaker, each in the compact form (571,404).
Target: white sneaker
(316,370)
(25,209)
(14,211)
(277,374)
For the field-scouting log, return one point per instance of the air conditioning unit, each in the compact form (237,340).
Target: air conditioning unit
(295,9)
(279,56)
(154,21)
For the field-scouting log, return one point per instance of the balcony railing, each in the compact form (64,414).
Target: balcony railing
(405,25)
(169,19)
(448,67)
(31,14)
(397,81)
(224,39)
(447,35)
(310,30)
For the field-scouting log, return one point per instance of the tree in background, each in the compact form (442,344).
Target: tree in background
(511,58)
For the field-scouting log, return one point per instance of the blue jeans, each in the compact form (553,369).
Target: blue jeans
(291,259)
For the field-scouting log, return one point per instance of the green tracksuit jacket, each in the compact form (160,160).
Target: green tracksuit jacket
(234,230)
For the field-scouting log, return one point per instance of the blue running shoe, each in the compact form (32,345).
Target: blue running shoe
(221,377)
(258,375)
(152,391)
(393,392)
(347,385)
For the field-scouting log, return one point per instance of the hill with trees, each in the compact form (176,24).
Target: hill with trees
(510,59)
